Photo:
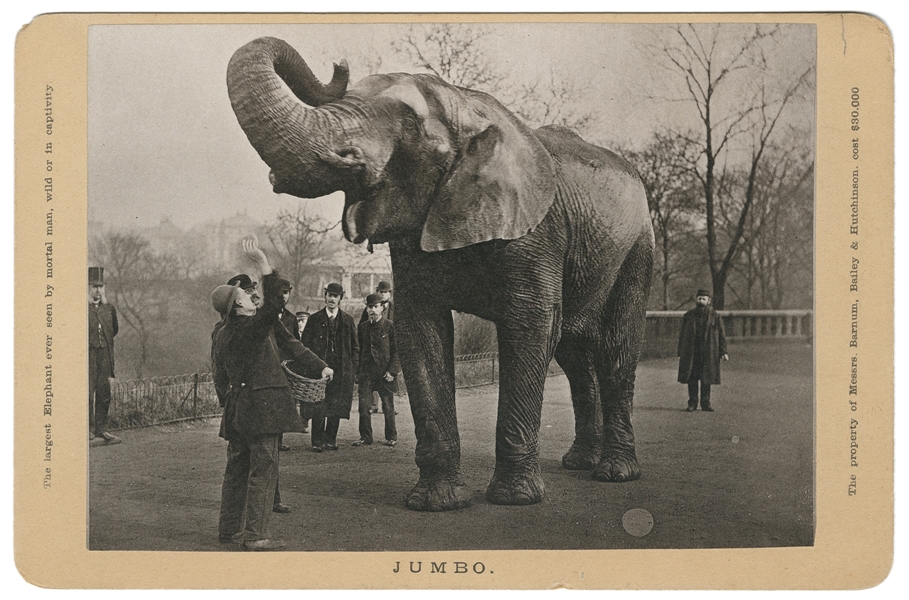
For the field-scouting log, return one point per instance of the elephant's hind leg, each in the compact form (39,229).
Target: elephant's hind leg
(579,366)
(623,332)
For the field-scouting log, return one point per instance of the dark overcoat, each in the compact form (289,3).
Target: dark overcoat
(105,315)
(289,320)
(316,337)
(246,352)
(378,353)
(714,346)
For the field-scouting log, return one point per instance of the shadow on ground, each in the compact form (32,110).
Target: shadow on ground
(742,476)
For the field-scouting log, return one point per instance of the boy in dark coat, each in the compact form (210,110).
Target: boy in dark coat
(332,334)
(258,406)
(377,371)
(702,343)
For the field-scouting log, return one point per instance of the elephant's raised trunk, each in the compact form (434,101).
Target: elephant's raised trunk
(289,137)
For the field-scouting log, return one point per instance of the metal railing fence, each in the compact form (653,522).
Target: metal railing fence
(163,400)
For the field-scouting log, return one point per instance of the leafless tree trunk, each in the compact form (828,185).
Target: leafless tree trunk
(139,281)
(298,238)
(707,64)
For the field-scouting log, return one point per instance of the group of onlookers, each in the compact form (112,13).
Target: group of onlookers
(255,340)
(258,336)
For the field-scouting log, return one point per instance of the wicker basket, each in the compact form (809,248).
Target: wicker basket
(303,389)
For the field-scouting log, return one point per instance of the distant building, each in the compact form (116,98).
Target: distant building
(353,267)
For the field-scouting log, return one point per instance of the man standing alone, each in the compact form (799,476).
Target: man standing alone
(702,343)
(102,327)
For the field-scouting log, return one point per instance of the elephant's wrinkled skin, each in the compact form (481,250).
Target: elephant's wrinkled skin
(538,231)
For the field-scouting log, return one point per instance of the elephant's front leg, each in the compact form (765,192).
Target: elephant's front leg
(425,337)
(525,349)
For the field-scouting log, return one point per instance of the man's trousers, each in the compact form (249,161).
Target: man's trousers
(693,394)
(365,391)
(99,375)
(249,486)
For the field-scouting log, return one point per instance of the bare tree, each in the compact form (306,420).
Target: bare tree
(552,101)
(725,79)
(298,238)
(665,167)
(454,52)
(775,260)
(138,285)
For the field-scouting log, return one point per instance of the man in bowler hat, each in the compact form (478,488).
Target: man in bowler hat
(702,343)
(286,316)
(332,334)
(377,371)
(249,286)
(102,327)
(383,290)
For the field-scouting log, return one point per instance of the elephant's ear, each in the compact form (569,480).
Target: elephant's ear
(500,187)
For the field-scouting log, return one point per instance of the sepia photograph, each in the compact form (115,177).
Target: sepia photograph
(408,301)
(451,286)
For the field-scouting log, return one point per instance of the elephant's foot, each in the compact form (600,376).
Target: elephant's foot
(617,467)
(446,493)
(580,458)
(516,487)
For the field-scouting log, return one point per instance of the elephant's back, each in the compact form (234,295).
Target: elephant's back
(602,199)
(598,185)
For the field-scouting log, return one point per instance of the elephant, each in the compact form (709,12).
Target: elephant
(547,236)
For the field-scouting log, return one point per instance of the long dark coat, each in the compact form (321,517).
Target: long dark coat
(289,320)
(247,367)
(104,315)
(714,346)
(378,353)
(339,391)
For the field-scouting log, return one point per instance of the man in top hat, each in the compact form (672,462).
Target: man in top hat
(258,405)
(332,334)
(702,343)
(102,327)
(377,370)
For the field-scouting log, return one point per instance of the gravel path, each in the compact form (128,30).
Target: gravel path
(742,476)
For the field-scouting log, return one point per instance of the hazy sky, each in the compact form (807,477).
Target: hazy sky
(163,140)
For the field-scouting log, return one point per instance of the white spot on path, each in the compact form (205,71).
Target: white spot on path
(637,522)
